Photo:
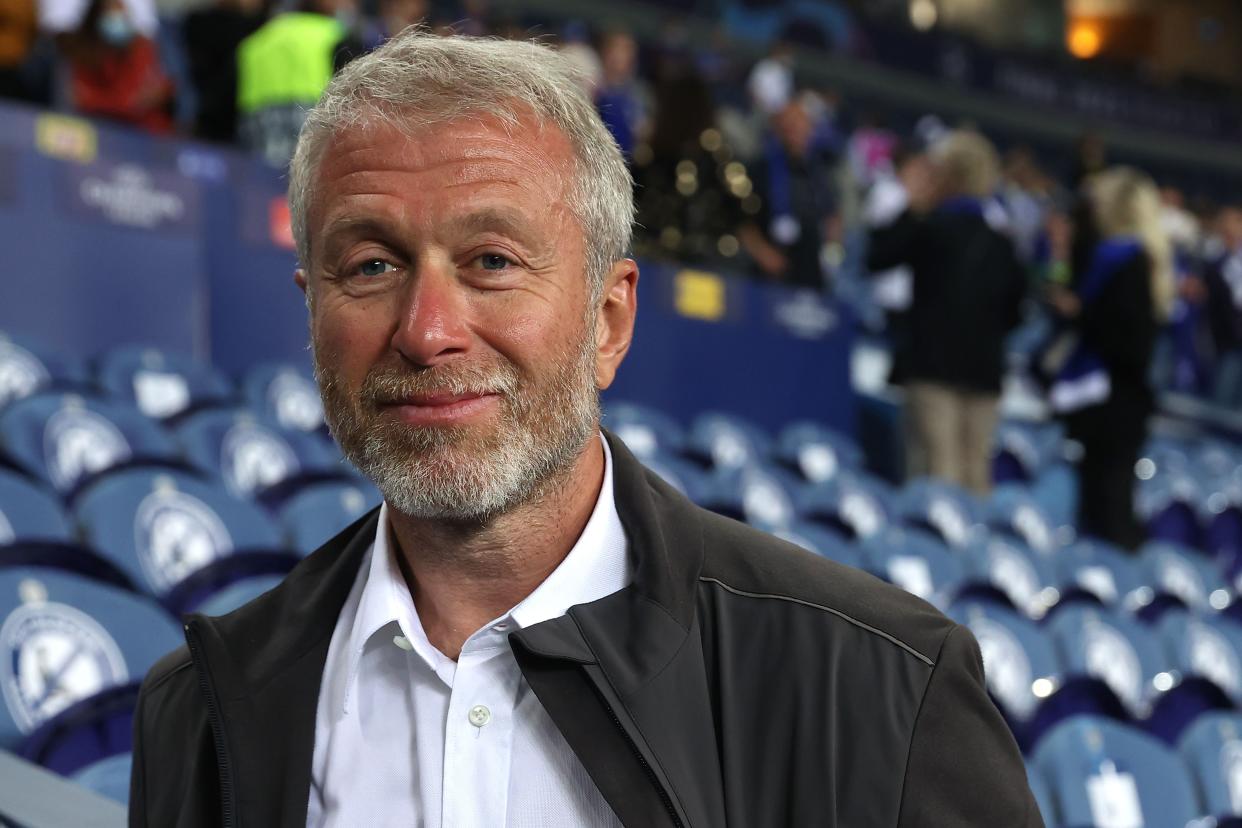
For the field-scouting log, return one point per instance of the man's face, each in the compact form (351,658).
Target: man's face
(453,342)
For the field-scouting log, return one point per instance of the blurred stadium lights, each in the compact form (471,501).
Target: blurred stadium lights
(1083,39)
(923,14)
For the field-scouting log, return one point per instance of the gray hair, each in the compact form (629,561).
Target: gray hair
(418,79)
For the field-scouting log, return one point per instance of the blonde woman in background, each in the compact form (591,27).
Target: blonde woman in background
(1121,293)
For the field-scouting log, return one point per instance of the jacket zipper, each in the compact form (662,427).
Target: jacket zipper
(217,729)
(642,760)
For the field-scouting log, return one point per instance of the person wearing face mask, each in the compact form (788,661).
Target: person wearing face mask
(115,70)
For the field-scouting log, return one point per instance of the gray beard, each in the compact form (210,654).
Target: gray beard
(462,474)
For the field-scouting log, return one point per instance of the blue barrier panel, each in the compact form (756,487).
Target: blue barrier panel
(111,236)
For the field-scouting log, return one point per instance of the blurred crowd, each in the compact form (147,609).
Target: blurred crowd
(942,244)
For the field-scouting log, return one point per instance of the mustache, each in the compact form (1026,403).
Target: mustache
(390,384)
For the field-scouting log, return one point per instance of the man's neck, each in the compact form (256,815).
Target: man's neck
(463,576)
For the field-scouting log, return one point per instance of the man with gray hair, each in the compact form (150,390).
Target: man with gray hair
(533,629)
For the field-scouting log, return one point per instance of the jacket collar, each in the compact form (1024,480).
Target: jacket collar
(266,660)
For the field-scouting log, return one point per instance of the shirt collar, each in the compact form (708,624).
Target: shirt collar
(596,566)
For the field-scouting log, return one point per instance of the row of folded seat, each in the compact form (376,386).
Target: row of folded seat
(163,385)
(1090,771)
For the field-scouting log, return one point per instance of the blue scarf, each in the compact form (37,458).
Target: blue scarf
(1084,379)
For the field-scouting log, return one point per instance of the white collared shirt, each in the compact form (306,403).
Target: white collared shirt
(406,736)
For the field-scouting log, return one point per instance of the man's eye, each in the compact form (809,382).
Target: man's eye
(494,261)
(374,267)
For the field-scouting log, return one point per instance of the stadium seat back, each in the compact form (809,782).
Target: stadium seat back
(250,455)
(1022,576)
(160,527)
(1184,574)
(916,561)
(819,454)
(161,384)
(284,394)
(851,503)
(317,513)
(941,508)
(645,431)
(1204,646)
(727,441)
(65,639)
(1212,749)
(63,439)
(29,513)
(820,541)
(1113,648)
(1101,772)
(26,370)
(1013,510)
(1016,654)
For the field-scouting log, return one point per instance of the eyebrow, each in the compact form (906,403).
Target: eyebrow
(506,222)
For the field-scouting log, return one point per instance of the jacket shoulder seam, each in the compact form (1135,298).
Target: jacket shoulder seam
(842,615)
(905,774)
(164,679)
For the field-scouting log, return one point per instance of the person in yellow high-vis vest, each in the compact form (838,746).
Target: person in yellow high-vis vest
(281,71)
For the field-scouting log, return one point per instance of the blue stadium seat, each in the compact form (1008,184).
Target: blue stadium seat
(63,439)
(1115,649)
(1019,661)
(1204,646)
(284,394)
(682,475)
(726,441)
(27,369)
(236,594)
(66,639)
(820,541)
(250,455)
(1025,580)
(916,561)
(816,452)
(28,513)
(1013,511)
(159,383)
(318,512)
(1212,749)
(645,431)
(1043,798)
(1056,491)
(1022,451)
(108,777)
(1181,575)
(755,493)
(941,508)
(161,527)
(852,504)
(1169,507)
(1101,772)
(1102,572)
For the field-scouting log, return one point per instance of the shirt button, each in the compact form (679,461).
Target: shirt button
(479,715)
(402,642)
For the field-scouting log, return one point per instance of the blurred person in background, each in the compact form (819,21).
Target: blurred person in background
(212,35)
(283,68)
(19,32)
(771,81)
(1121,294)
(115,71)
(1223,284)
(797,186)
(620,97)
(968,288)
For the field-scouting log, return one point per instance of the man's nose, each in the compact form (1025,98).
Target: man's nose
(434,325)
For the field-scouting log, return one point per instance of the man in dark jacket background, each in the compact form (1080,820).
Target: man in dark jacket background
(534,629)
(968,287)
